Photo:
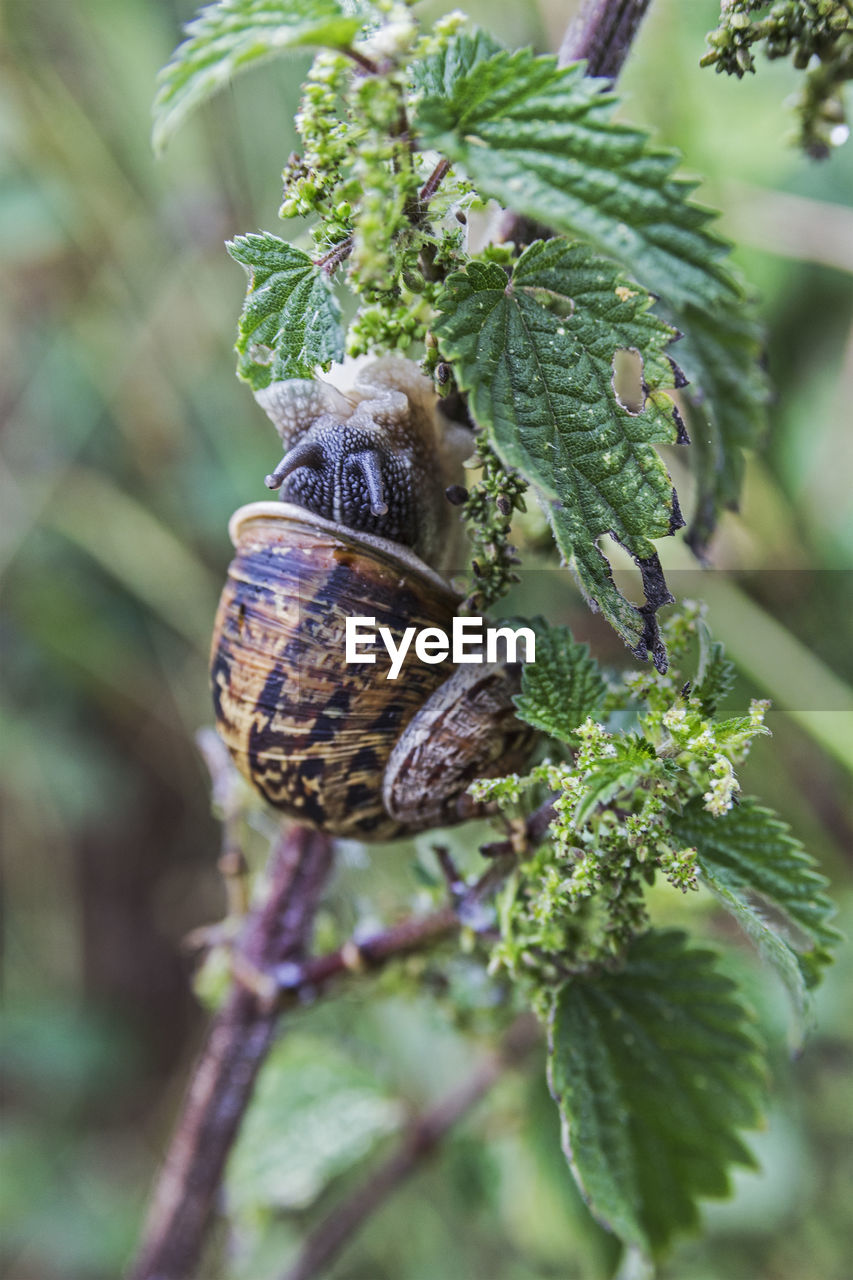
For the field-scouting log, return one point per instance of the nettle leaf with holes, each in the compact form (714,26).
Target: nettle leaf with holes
(549,353)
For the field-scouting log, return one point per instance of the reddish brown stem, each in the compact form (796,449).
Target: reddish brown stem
(434,181)
(416,933)
(332,260)
(410,935)
(271,976)
(368,66)
(276,933)
(602,34)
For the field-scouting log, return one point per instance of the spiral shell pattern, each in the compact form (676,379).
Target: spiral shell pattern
(310,731)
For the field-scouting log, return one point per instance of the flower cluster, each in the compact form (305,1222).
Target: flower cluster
(815,34)
(369,192)
(617,796)
(488,513)
(313,180)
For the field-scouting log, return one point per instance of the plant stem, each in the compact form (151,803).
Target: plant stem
(424,1134)
(533,833)
(284,987)
(602,33)
(340,252)
(367,65)
(271,975)
(414,934)
(434,181)
(277,932)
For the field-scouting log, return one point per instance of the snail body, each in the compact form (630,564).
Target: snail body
(377,459)
(329,742)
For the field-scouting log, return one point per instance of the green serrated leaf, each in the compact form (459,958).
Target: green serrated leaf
(728,391)
(230,35)
(291,319)
(314,1114)
(535,351)
(654,1069)
(762,873)
(438,76)
(542,141)
(773,949)
(562,687)
(737,730)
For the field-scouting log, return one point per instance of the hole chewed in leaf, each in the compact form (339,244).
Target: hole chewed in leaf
(576,400)
(629,386)
(655,595)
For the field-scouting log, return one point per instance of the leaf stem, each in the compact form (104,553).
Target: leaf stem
(434,181)
(534,832)
(415,933)
(340,252)
(368,66)
(602,33)
(290,983)
(337,254)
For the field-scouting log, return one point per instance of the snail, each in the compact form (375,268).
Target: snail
(363,528)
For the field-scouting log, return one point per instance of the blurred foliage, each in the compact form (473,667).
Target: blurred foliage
(312,1098)
(818,37)
(127,442)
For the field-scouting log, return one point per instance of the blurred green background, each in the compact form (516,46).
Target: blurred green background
(127,442)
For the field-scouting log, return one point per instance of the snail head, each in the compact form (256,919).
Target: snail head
(345,472)
(375,459)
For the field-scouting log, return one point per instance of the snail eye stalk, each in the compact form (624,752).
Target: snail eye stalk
(370,466)
(306,454)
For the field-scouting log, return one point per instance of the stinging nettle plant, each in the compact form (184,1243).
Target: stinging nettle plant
(600,256)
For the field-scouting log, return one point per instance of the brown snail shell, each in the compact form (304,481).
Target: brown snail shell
(364,530)
(311,732)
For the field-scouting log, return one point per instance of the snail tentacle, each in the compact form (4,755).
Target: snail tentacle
(306,454)
(369,463)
